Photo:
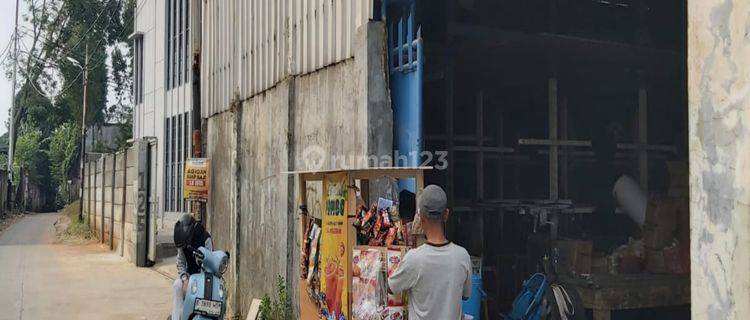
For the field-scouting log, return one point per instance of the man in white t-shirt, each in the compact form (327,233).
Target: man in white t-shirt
(436,276)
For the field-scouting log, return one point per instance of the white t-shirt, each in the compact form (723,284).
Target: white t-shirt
(435,278)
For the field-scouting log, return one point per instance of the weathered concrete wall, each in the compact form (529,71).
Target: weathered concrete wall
(117,201)
(100,199)
(719,113)
(131,181)
(96,213)
(106,213)
(263,153)
(342,110)
(220,220)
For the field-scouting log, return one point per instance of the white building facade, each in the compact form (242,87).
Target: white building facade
(163,95)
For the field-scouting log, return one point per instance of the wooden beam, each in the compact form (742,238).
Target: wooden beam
(480,140)
(552,123)
(564,136)
(643,138)
(619,51)
(554,142)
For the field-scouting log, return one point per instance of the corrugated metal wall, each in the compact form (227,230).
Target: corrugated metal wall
(249,46)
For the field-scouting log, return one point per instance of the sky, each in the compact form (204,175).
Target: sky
(7,20)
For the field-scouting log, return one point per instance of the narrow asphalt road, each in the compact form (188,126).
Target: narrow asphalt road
(42,279)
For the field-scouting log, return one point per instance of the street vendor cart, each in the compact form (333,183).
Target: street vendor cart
(352,239)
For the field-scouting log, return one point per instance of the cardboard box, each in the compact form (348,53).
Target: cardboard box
(655,261)
(630,265)
(683,221)
(670,260)
(677,259)
(574,256)
(678,179)
(661,223)
(599,264)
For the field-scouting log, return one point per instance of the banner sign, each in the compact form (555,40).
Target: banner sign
(196,179)
(334,251)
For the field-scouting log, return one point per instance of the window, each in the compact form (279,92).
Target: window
(187,59)
(167,166)
(180,145)
(177,150)
(168,44)
(177,42)
(138,70)
(186,150)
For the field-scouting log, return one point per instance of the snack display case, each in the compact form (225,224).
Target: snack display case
(354,242)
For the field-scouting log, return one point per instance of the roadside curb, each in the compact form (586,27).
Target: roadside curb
(167,267)
(164,273)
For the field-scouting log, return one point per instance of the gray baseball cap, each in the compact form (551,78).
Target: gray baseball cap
(432,202)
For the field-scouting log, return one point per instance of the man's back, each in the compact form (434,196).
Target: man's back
(436,278)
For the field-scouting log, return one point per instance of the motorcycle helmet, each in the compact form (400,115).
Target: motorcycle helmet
(183,231)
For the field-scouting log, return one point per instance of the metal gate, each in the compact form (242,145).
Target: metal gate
(406,65)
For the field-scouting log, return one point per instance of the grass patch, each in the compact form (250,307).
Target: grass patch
(76,229)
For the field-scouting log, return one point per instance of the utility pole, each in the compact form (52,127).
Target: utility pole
(85,71)
(11,134)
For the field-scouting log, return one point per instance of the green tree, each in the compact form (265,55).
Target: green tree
(31,156)
(49,102)
(27,153)
(63,152)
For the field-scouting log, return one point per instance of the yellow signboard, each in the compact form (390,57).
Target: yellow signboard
(196,179)
(334,251)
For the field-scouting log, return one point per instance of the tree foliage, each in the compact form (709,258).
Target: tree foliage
(93,34)
(63,155)
(31,156)
(63,151)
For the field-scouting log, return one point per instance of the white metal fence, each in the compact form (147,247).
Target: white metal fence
(250,45)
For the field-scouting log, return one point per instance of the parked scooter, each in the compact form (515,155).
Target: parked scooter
(206,295)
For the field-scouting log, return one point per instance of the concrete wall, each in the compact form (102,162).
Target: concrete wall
(221,208)
(719,113)
(106,213)
(342,109)
(263,153)
(109,195)
(131,188)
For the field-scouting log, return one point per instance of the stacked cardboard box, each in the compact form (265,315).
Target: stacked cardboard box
(666,235)
(574,256)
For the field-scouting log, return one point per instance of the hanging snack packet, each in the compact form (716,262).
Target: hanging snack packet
(305,256)
(400,240)
(369,221)
(386,218)
(393,258)
(390,238)
(313,259)
(367,301)
(378,225)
